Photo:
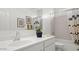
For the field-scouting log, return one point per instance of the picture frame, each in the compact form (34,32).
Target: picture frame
(20,23)
(28,19)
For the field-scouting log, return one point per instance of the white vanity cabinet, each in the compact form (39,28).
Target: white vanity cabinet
(35,47)
(45,44)
(49,45)
(50,48)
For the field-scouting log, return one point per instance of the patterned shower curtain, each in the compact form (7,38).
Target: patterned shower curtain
(74,28)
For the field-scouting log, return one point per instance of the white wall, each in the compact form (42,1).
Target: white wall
(48,21)
(47,25)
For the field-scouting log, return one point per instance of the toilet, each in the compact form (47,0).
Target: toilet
(59,46)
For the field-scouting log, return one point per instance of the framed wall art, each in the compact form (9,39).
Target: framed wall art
(20,23)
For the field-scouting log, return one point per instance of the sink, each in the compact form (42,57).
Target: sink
(19,43)
(3,49)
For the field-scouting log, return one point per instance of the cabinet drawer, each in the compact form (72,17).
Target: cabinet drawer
(50,48)
(49,42)
(35,47)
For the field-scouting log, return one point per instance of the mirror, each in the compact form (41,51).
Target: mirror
(21,19)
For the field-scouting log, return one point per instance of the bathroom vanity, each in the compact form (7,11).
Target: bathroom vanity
(46,43)
(40,44)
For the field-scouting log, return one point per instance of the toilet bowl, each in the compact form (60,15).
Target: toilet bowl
(59,46)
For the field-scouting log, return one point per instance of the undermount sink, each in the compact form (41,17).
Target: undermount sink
(19,43)
(2,49)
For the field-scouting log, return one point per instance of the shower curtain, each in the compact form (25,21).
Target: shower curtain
(74,28)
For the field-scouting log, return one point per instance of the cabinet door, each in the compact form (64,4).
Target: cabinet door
(35,47)
(50,48)
(49,42)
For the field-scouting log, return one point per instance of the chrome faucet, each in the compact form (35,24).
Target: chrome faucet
(17,37)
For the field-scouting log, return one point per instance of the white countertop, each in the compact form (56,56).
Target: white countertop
(23,42)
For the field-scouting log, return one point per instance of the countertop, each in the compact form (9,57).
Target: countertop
(11,45)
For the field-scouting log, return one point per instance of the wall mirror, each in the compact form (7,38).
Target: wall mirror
(21,19)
